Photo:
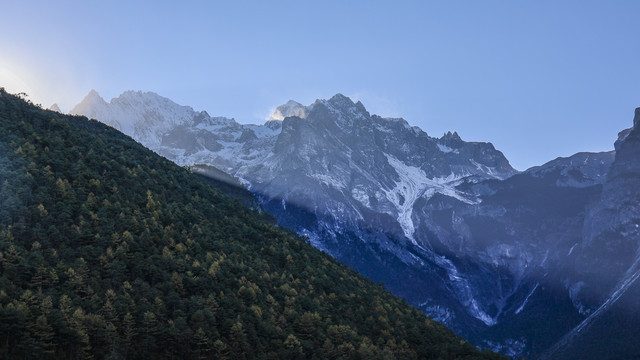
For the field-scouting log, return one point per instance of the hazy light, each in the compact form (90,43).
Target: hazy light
(12,81)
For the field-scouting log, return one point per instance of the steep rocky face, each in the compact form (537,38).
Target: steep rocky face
(606,263)
(611,229)
(510,248)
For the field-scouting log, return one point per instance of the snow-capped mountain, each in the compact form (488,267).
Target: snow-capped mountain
(291,108)
(447,224)
(151,119)
(381,164)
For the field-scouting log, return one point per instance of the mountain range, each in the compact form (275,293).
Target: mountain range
(110,251)
(534,263)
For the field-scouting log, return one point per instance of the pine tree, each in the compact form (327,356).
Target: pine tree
(43,334)
(221,350)
(293,348)
(202,344)
(305,328)
(128,332)
(238,342)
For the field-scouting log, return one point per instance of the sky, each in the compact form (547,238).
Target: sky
(538,79)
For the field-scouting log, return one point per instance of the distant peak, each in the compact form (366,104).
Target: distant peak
(55,107)
(636,118)
(92,100)
(292,103)
(93,96)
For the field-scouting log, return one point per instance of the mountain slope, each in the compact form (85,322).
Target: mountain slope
(512,261)
(348,180)
(110,251)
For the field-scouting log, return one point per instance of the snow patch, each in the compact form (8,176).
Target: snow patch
(444,148)
(490,171)
(414,184)
(464,291)
(361,195)
(437,312)
(263,131)
(526,299)
(510,347)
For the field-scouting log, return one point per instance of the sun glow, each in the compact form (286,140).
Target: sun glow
(17,78)
(12,81)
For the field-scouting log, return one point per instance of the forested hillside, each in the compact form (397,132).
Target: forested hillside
(108,250)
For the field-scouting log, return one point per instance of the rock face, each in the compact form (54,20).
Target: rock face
(607,263)
(512,261)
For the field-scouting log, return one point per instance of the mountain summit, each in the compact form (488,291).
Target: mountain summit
(291,108)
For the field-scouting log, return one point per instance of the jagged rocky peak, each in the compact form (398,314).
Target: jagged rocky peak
(340,100)
(449,142)
(291,108)
(339,113)
(341,103)
(451,136)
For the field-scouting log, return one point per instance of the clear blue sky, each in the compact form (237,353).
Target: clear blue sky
(539,79)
